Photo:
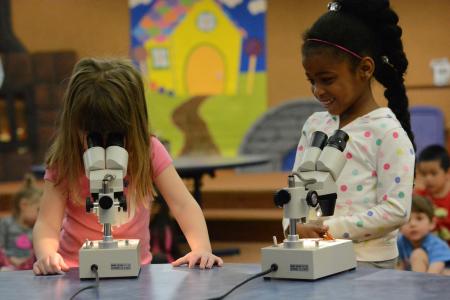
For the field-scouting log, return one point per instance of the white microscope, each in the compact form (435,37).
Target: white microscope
(106,169)
(310,258)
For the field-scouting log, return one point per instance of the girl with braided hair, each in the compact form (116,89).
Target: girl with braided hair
(344,49)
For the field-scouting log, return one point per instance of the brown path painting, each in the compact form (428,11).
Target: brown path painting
(198,140)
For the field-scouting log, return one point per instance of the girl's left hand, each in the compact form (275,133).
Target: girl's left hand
(204,259)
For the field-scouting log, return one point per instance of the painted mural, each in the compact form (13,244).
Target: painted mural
(204,66)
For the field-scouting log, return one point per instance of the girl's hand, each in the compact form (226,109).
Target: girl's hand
(311,230)
(50,264)
(205,259)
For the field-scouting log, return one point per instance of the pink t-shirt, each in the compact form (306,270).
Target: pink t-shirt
(78,225)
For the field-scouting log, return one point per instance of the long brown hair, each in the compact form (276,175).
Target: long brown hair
(103,96)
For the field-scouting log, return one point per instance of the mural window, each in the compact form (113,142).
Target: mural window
(206,22)
(160,58)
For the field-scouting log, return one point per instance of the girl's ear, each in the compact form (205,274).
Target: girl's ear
(366,68)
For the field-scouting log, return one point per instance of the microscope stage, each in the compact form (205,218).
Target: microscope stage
(313,260)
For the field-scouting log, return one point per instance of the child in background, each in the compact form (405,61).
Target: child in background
(344,50)
(107,96)
(421,251)
(433,170)
(16,249)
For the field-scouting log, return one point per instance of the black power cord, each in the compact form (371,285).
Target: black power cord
(273,268)
(94,268)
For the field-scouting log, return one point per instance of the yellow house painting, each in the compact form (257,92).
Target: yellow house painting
(199,55)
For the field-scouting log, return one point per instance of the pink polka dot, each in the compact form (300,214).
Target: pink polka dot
(395,134)
(380,154)
(374,173)
(364,148)
(349,155)
(300,148)
(385,197)
(386,166)
(385,216)
(343,187)
(367,134)
(406,168)
(349,202)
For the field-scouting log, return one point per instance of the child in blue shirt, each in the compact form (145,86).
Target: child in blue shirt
(420,250)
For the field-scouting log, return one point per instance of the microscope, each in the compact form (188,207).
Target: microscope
(106,169)
(311,188)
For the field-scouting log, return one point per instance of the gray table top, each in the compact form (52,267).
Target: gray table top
(165,282)
(202,163)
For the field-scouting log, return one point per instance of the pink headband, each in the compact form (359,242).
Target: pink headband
(337,46)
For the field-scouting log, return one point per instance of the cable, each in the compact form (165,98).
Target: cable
(273,268)
(94,268)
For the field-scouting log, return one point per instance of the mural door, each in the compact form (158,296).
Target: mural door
(205,72)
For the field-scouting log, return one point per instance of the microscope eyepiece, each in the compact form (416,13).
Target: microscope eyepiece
(319,139)
(115,139)
(338,140)
(94,139)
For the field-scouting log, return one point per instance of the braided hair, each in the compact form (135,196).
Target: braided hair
(368,28)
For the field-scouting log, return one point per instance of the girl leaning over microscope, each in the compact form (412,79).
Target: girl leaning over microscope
(108,96)
(354,42)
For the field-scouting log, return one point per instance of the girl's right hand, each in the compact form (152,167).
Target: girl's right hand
(311,230)
(50,264)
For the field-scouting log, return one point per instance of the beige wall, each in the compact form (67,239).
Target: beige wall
(101,28)
(91,27)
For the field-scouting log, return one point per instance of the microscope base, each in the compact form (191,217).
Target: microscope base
(310,261)
(123,260)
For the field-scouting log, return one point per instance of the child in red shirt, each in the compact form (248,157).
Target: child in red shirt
(434,177)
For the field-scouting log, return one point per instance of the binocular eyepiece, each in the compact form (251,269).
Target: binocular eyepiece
(96,139)
(338,140)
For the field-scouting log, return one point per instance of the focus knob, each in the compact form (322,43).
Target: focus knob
(281,198)
(89,204)
(123,202)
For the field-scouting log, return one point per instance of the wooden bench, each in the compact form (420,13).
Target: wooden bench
(239,206)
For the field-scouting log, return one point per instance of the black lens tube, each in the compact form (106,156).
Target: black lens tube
(338,140)
(94,139)
(319,139)
(115,139)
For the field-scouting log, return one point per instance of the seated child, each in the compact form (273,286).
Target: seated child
(420,250)
(16,249)
(434,173)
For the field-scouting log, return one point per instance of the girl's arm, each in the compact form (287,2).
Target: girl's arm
(190,218)
(46,232)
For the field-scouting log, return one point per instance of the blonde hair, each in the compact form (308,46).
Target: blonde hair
(103,96)
(28,193)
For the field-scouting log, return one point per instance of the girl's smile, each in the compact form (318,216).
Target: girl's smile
(341,90)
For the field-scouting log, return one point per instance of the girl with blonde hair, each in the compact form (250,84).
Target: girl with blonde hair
(107,96)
